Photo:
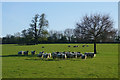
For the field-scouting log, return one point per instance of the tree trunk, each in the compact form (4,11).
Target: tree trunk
(36,38)
(94,47)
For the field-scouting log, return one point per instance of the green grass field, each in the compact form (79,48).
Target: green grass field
(104,65)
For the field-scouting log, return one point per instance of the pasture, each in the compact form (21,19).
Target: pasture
(104,65)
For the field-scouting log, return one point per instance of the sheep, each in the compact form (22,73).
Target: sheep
(32,52)
(20,52)
(59,55)
(54,55)
(64,52)
(43,47)
(83,46)
(90,54)
(40,54)
(68,54)
(83,56)
(45,55)
(25,52)
(69,46)
(64,56)
(75,46)
(79,54)
(74,55)
(49,54)
(71,55)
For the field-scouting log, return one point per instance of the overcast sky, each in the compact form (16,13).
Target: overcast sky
(17,16)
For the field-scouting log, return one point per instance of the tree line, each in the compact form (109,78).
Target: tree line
(91,28)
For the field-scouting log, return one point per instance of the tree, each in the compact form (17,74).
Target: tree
(16,36)
(34,27)
(56,36)
(94,27)
(43,25)
(68,33)
(8,38)
(38,26)
(24,33)
(117,37)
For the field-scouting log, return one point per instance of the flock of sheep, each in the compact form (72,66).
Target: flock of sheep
(60,55)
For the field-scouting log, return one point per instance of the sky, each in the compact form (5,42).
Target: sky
(17,16)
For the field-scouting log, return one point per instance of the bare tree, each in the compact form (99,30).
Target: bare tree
(68,33)
(17,34)
(95,26)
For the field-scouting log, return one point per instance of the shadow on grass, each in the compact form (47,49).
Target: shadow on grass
(18,55)
(31,57)
(51,59)
(35,58)
(43,59)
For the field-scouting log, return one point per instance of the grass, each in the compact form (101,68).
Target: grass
(104,65)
